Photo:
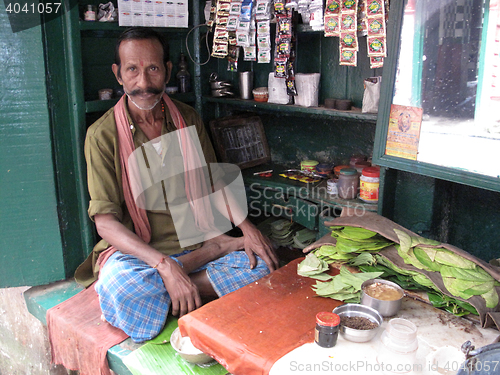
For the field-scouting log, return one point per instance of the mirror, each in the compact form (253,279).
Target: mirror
(444,103)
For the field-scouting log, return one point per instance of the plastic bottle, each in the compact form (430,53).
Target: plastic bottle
(183,76)
(348,183)
(369,184)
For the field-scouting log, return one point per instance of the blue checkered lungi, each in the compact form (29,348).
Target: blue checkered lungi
(133,297)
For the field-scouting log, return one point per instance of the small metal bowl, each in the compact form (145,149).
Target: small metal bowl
(385,308)
(353,309)
(186,350)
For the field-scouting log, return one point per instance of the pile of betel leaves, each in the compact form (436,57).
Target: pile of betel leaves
(359,247)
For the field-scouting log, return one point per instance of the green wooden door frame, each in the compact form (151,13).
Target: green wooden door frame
(67,109)
(387,90)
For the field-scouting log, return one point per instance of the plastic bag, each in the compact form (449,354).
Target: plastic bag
(277,90)
(107,12)
(307,89)
(371,95)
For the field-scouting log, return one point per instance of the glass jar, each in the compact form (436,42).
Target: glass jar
(399,346)
(331,187)
(327,329)
(369,183)
(90,13)
(183,76)
(348,183)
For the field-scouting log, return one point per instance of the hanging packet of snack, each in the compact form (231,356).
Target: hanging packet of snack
(250,53)
(291,89)
(280,67)
(348,40)
(264,57)
(220,42)
(263,10)
(376,31)
(232,58)
(348,57)
(279,7)
(332,25)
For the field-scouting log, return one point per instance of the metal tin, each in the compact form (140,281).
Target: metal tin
(385,308)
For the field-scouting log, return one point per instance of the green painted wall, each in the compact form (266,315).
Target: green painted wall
(461,215)
(30,245)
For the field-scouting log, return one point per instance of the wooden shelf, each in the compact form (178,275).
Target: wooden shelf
(293,110)
(112,29)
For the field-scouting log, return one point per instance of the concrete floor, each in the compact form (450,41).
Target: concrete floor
(24,345)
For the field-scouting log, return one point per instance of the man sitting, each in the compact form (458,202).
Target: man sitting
(141,267)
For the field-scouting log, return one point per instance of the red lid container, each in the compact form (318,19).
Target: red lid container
(327,319)
(371,172)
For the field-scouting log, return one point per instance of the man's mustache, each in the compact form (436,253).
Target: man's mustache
(149,90)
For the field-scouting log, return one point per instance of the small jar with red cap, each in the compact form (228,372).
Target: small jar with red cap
(369,183)
(327,329)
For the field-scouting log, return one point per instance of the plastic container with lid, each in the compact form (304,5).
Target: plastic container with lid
(399,346)
(309,165)
(331,186)
(338,168)
(359,166)
(324,169)
(369,183)
(260,94)
(356,159)
(327,329)
(348,183)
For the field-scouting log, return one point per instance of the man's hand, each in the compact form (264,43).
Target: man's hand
(182,291)
(256,243)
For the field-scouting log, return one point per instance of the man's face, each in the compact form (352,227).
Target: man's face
(143,74)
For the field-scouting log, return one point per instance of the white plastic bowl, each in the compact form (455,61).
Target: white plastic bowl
(187,350)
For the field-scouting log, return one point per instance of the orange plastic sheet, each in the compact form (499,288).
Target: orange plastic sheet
(248,330)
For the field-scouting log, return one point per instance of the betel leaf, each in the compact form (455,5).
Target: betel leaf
(356,279)
(362,259)
(404,240)
(465,285)
(447,271)
(448,283)
(424,280)
(415,262)
(350,246)
(356,233)
(491,298)
(311,265)
(326,250)
(451,259)
(386,262)
(450,304)
(424,259)
(321,277)
(478,274)
(415,241)
(480,289)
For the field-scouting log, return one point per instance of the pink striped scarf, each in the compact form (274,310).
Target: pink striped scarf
(196,189)
(79,341)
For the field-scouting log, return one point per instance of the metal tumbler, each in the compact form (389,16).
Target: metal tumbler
(246,85)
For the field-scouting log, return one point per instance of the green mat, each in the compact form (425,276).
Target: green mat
(158,357)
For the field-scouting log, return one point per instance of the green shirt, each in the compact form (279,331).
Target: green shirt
(105,183)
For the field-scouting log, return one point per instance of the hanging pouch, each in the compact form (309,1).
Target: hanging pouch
(372,94)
